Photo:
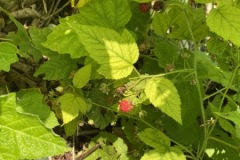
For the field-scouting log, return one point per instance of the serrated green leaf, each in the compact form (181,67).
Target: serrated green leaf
(64,40)
(106,13)
(30,103)
(163,95)
(176,21)
(8,55)
(172,154)
(163,48)
(58,67)
(82,76)
(155,139)
(38,36)
(71,105)
(232,116)
(25,135)
(225,16)
(116,53)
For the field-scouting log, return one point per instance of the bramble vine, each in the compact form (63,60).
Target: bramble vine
(154,79)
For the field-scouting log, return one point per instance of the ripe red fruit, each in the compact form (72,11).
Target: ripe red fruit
(125,106)
(158,5)
(144,7)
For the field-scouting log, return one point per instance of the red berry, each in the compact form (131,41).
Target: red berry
(144,7)
(126,106)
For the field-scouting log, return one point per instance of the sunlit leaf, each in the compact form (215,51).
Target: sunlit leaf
(71,105)
(225,16)
(163,95)
(24,135)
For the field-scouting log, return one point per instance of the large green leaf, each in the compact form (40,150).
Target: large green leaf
(225,16)
(31,102)
(64,40)
(58,67)
(175,23)
(163,95)
(116,53)
(8,55)
(155,139)
(24,135)
(106,13)
(172,154)
(71,105)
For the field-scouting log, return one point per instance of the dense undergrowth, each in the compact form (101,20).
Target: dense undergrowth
(120,79)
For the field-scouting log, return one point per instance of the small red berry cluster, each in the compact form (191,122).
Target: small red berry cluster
(125,106)
(156,6)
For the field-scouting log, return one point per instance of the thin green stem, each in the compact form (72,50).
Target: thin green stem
(215,93)
(163,74)
(204,144)
(226,144)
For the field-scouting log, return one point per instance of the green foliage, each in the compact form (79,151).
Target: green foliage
(162,94)
(7,55)
(24,136)
(178,67)
(226,17)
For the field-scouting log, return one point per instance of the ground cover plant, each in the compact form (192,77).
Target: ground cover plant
(120,79)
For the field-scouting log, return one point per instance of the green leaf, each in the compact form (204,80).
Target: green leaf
(70,105)
(82,76)
(155,139)
(58,67)
(163,48)
(106,13)
(204,1)
(216,46)
(172,154)
(22,39)
(100,120)
(232,116)
(116,53)
(225,16)
(30,103)
(8,55)
(176,21)
(38,36)
(25,135)
(64,40)
(71,127)
(111,148)
(163,95)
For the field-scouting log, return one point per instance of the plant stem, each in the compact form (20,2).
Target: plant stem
(226,144)
(205,132)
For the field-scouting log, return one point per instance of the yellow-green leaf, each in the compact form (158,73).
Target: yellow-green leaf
(163,95)
(71,105)
(225,22)
(82,76)
(116,53)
